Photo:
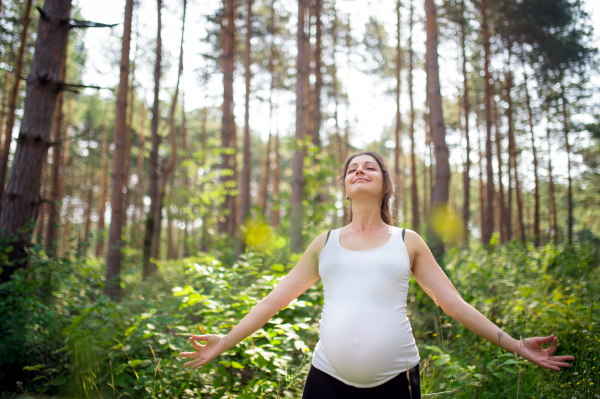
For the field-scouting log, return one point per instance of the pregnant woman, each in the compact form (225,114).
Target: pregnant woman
(366,347)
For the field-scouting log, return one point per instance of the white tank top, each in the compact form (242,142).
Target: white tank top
(365,335)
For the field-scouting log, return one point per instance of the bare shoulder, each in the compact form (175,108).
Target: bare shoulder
(316,246)
(414,246)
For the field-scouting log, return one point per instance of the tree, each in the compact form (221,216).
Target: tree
(149,268)
(440,192)
(245,186)
(413,163)
(301,129)
(115,239)
(22,198)
(12,100)
(398,129)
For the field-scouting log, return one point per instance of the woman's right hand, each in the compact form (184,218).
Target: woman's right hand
(215,345)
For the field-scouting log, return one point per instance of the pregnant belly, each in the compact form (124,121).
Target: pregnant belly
(366,346)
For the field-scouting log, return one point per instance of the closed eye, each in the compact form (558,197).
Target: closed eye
(350,171)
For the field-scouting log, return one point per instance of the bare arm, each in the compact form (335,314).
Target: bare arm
(296,282)
(436,284)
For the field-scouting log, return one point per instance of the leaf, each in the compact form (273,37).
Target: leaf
(136,362)
(236,365)
(130,330)
(34,368)
(61,379)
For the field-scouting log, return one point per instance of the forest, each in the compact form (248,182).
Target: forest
(148,193)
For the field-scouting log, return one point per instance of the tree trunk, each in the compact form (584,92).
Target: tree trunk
(228,64)
(551,193)
(149,268)
(501,204)
(565,116)
(440,193)
(513,155)
(466,108)
(64,162)
(413,162)
(316,137)
(127,194)
(14,96)
(276,181)
(113,258)
(489,214)
(88,209)
(301,130)
(139,203)
(5,95)
(398,130)
(170,166)
(22,199)
(245,186)
(481,188)
(102,188)
(54,207)
(536,193)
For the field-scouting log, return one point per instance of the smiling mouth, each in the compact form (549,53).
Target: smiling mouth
(356,181)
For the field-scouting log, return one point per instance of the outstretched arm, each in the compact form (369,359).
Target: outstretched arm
(296,282)
(436,284)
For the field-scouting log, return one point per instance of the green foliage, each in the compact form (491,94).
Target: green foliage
(61,336)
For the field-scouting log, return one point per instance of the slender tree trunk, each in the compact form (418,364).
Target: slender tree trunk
(63,165)
(127,194)
(276,181)
(301,130)
(170,166)
(5,95)
(489,215)
(245,186)
(398,129)
(54,207)
(427,169)
(150,268)
(536,192)
(114,256)
(501,204)
(228,64)
(565,116)
(139,205)
(13,100)
(440,193)
(466,108)
(88,209)
(413,162)
(316,136)
(102,188)
(551,193)
(481,188)
(23,190)
(513,155)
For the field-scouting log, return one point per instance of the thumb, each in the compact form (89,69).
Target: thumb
(545,340)
(200,337)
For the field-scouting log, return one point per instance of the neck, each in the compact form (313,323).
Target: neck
(366,215)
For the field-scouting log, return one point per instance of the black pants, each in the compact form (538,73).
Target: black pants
(320,385)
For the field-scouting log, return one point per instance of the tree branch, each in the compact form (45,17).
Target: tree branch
(89,24)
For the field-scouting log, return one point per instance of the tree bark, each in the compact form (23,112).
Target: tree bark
(565,116)
(551,193)
(398,130)
(413,162)
(170,166)
(64,162)
(54,207)
(5,95)
(127,190)
(149,268)
(245,186)
(466,109)
(501,204)
(13,99)
(513,155)
(228,64)
(316,136)
(440,192)
(276,181)
(489,214)
(536,192)
(102,188)
(114,256)
(22,199)
(301,131)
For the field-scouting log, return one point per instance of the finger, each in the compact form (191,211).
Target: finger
(544,340)
(196,344)
(552,348)
(200,337)
(562,358)
(549,366)
(189,354)
(197,363)
(559,364)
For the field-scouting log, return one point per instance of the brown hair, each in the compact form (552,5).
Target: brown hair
(388,185)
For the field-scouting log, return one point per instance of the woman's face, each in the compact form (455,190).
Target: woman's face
(363,177)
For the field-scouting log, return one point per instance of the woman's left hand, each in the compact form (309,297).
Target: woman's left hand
(531,349)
